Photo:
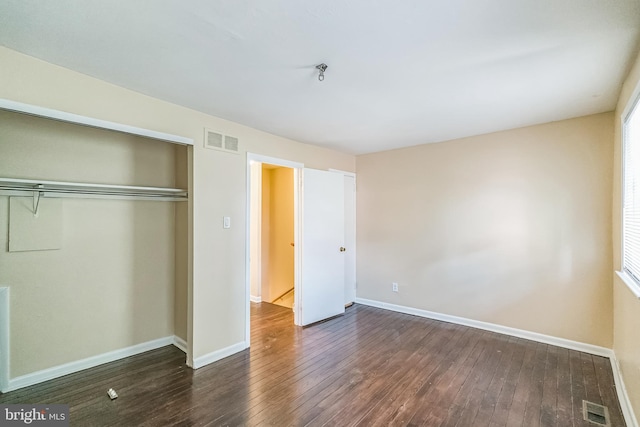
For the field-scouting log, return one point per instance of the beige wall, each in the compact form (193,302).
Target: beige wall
(217,288)
(111,285)
(626,315)
(511,228)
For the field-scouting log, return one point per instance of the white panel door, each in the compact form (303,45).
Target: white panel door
(349,239)
(322,236)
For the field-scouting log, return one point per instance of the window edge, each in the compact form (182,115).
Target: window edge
(633,286)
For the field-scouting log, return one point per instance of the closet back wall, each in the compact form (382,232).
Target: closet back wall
(111,285)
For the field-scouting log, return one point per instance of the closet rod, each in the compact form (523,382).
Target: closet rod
(16,186)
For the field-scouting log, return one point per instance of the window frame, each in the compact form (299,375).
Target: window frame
(633,106)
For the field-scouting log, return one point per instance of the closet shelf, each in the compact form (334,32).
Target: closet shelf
(41,188)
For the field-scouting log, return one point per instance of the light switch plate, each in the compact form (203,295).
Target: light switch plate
(226,222)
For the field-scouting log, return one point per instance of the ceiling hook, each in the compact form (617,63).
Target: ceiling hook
(321,68)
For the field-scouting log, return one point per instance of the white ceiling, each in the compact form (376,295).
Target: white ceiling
(400,73)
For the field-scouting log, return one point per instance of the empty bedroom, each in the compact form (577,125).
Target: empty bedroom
(340,213)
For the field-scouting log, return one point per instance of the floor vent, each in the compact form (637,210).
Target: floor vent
(595,414)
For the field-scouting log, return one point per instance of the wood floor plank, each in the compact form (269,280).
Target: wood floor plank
(452,340)
(548,409)
(607,389)
(590,380)
(405,411)
(426,410)
(459,407)
(399,393)
(395,352)
(369,367)
(523,386)
(564,409)
(434,406)
(578,393)
(347,366)
(510,382)
(534,400)
(490,401)
(483,380)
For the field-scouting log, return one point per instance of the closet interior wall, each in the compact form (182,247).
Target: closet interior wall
(120,276)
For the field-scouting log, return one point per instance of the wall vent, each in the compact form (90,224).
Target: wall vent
(595,414)
(217,141)
(231,143)
(212,140)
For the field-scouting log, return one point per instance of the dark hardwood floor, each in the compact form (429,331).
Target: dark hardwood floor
(370,367)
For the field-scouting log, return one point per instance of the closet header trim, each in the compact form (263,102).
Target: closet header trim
(62,116)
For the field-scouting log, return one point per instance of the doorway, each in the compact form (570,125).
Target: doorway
(318,252)
(277,236)
(259,233)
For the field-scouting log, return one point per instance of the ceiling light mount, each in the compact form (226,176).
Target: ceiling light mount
(321,69)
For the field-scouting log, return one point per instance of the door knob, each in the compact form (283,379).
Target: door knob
(342,249)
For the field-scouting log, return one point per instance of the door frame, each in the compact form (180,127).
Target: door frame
(297,223)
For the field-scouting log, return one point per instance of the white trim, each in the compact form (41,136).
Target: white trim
(4,339)
(635,96)
(354,250)
(631,284)
(533,336)
(258,236)
(63,116)
(201,361)
(247,258)
(254,241)
(623,396)
(621,199)
(89,362)
(180,343)
(632,103)
(298,228)
(274,161)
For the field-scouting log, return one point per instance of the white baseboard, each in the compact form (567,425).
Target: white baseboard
(521,333)
(623,397)
(180,343)
(201,361)
(89,362)
(255,299)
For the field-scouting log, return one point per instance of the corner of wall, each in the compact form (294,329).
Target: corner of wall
(4,339)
